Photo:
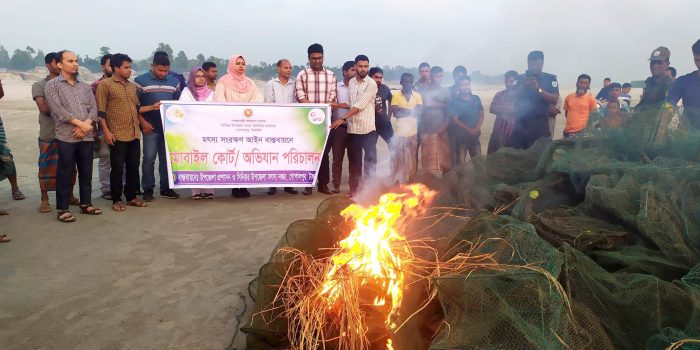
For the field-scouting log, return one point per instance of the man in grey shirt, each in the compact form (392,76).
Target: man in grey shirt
(74,112)
(281,90)
(48,152)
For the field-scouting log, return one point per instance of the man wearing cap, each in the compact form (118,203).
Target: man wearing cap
(537,96)
(656,87)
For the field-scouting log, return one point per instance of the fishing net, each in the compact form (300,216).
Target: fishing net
(595,244)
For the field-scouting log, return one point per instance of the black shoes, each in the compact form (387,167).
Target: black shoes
(169,194)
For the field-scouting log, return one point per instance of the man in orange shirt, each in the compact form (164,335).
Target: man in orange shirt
(578,107)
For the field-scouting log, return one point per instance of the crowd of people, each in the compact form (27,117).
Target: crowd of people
(423,123)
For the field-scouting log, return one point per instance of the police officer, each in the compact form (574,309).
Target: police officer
(537,96)
(657,85)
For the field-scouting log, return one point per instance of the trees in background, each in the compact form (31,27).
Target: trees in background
(29,58)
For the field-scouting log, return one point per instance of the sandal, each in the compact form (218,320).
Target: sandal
(137,203)
(4,239)
(45,207)
(118,206)
(65,216)
(4,212)
(73,201)
(198,196)
(18,195)
(90,210)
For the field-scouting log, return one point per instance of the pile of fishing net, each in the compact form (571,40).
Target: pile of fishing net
(595,249)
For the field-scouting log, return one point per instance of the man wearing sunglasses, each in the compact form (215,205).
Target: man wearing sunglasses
(657,85)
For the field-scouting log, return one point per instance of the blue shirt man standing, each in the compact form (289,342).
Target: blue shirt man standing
(155,86)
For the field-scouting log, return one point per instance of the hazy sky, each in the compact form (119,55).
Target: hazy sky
(601,38)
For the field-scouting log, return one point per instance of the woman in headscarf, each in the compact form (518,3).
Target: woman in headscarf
(197,90)
(236,87)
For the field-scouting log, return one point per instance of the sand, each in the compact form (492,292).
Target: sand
(170,276)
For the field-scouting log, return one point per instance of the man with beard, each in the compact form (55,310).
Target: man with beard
(74,111)
(48,149)
(362,134)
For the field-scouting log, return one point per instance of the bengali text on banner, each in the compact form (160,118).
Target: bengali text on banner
(225,145)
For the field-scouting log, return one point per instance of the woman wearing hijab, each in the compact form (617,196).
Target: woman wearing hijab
(236,87)
(198,91)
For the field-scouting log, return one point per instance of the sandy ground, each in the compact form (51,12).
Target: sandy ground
(170,276)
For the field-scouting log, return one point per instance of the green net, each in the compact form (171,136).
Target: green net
(598,237)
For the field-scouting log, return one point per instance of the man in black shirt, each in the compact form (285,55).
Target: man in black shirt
(466,115)
(656,87)
(537,93)
(457,74)
(381,105)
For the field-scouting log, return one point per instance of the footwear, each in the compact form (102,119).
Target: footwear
(148,195)
(198,196)
(18,195)
(138,192)
(209,196)
(272,191)
(45,207)
(136,203)
(324,189)
(4,239)
(245,193)
(308,191)
(118,206)
(236,193)
(90,209)
(107,195)
(169,194)
(65,216)
(290,190)
(336,190)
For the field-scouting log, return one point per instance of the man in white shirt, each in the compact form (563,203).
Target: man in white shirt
(338,138)
(281,90)
(362,134)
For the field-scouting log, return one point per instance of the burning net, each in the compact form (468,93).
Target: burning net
(590,249)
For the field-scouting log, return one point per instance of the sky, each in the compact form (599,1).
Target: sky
(601,38)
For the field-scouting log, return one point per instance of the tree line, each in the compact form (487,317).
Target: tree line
(29,58)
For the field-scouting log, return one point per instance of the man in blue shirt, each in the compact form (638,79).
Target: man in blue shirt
(155,86)
(604,93)
(537,94)
(687,88)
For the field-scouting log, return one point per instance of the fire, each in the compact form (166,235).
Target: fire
(375,251)
(388,344)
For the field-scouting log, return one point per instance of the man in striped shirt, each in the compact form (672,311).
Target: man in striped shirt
(317,85)
(155,86)
(362,134)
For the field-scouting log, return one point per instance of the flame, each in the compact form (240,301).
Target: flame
(375,250)
(388,344)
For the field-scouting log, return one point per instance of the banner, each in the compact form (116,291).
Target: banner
(225,145)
